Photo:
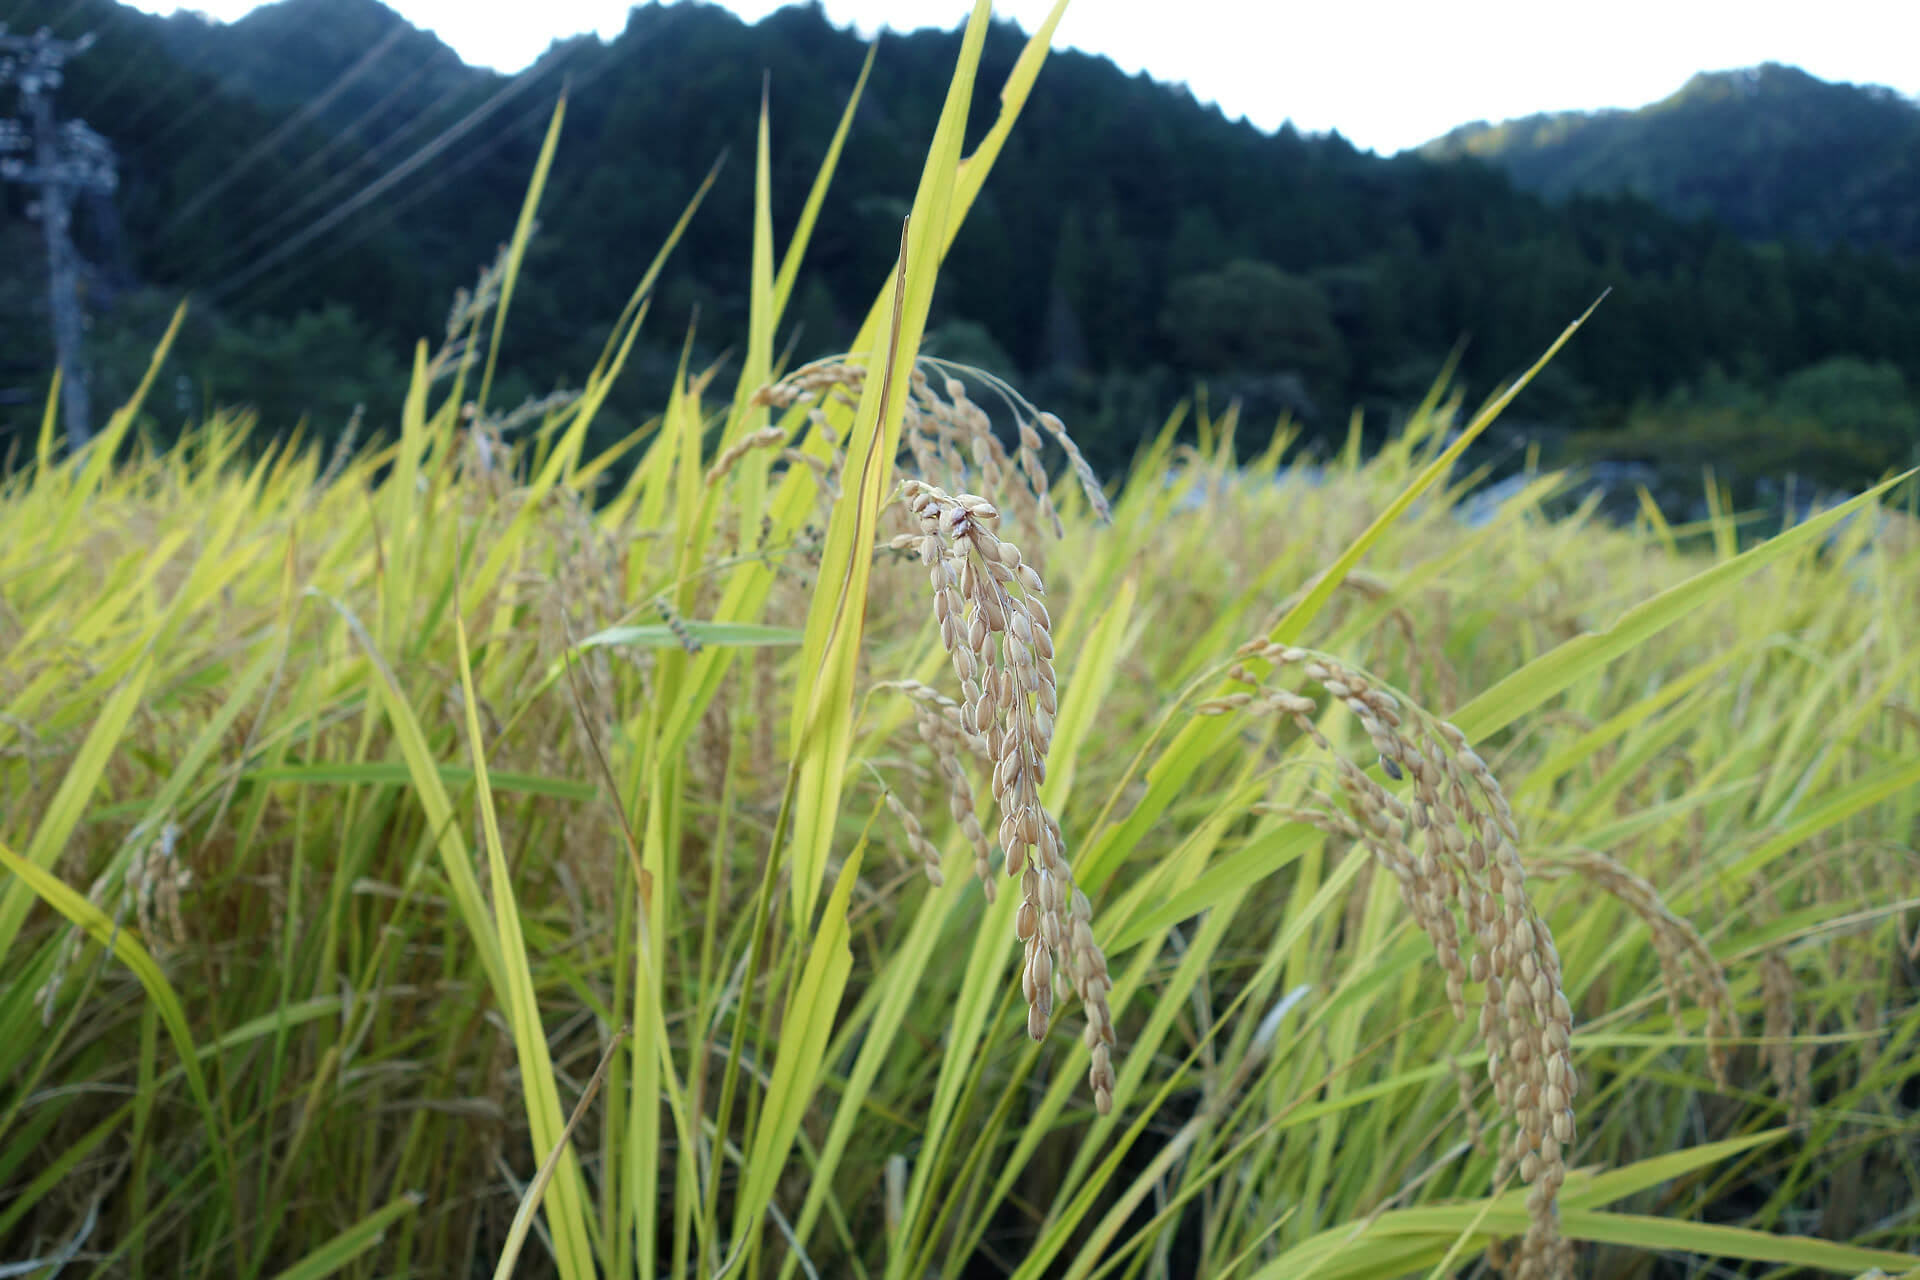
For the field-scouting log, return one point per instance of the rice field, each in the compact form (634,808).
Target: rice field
(831,832)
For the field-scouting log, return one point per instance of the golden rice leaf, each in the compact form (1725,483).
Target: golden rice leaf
(522,1224)
(836,622)
(608,362)
(1087,685)
(1199,738)
(1294,625)
(517,247)
(817,194)
(43,449)
(900,984)
(566,1203)
(444,824)
(121,943)
(100,452)
(1882,784)
(1590,651)
(745,594)
(806,1026)
(70,801)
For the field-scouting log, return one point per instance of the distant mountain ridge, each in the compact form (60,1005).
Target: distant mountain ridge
(322,177)
(1771,151)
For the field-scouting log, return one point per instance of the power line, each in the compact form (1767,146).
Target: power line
(188,69)
(139,57)
(318,195)
(231,86)
(416,194)
(327,192)
(72,8)
(321,154)
(421,192)
(386,181)
(235,288)
(20,9)
(266,145)
(227,90)
(144,52)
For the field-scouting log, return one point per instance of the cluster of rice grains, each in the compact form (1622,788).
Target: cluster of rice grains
(1453,848)
(994,624)
(947,434)
(150,889)
(943,727)
(988,603)
(1687,967)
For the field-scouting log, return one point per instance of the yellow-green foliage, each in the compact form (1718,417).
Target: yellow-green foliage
(356,813)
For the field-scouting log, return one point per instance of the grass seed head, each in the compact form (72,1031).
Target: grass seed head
(1451,846)
(997,633)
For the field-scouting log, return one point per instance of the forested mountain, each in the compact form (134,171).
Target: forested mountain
(320,178)
(1771,151)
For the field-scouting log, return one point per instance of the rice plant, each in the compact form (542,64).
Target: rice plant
(472,854)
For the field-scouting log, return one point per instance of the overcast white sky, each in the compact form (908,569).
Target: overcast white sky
(1387,73)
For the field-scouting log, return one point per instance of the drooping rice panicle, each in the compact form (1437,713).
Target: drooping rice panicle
(989,606)
(1453,848)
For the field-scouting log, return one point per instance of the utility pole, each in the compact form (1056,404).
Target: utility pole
(68,160)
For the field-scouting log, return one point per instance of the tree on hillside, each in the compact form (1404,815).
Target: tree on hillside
(1252,317)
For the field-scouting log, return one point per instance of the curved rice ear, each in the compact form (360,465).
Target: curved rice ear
(1452,847)
(999,638)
